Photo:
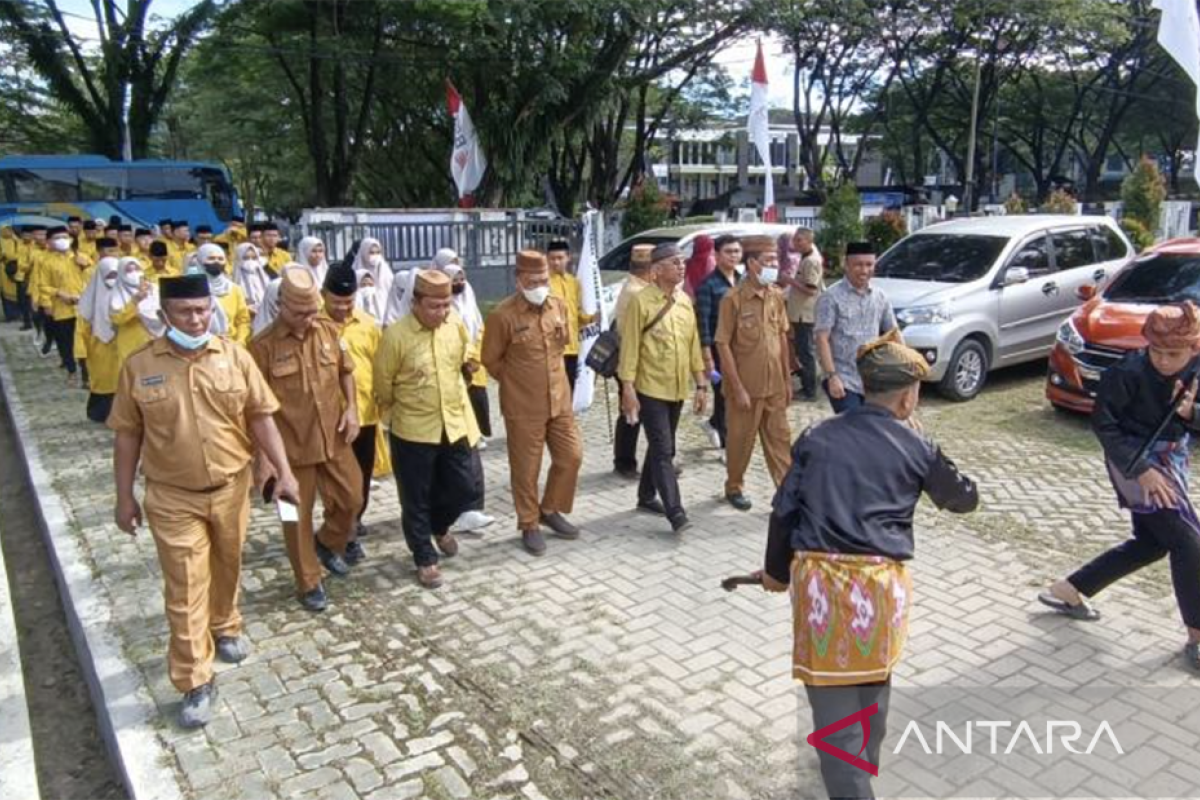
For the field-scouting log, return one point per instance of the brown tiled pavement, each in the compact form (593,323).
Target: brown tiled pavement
(614,666)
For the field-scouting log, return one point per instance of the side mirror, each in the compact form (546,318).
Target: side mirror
(1086,292)
(1016,275)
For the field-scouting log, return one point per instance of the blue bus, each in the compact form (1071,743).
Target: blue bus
(140,192)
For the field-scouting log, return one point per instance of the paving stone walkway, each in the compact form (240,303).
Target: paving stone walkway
(615,666)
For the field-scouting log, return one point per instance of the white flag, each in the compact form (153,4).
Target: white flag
(1179,35)
(590,287)
(467,163)
(759,127)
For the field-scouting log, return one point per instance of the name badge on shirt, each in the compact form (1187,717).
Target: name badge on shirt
(154,380)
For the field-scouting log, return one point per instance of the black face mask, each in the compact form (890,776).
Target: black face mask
(458,288)
(214,270)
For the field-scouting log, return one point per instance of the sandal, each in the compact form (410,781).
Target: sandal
(1082,610)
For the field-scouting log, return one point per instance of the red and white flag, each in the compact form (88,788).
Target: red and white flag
(759,127)
(467,163)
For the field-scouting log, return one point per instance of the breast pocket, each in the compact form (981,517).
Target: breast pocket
(229,391)
(153,402)
(285,373)
(749,329)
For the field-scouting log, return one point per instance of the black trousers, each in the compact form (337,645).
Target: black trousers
(364,454)
(477,481)
(807,354)
(12,311)
(717,418)
(572,365)
(26,306)
(436,485)
(831,704)
(98,406)
(63,334)
(660,419)
(482,408)
(625,439)
(1163,533)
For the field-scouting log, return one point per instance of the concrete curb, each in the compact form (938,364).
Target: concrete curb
(18,769)
(124,707)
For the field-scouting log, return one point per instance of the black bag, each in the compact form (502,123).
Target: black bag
(605,355)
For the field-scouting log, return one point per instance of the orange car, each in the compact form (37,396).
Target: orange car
(1109,324)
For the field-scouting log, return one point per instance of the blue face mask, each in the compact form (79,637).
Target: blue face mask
(186,341)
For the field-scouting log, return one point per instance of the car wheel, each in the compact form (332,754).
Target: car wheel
(967,372)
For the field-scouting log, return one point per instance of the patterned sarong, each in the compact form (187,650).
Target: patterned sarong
(850,617)
(1173,461)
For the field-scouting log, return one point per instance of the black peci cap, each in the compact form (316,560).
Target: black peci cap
(184,287)
(340,281)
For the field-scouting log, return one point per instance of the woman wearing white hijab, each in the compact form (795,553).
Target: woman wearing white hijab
(369,298)
(228,297)
(95,339)
(398,301)
(249,274)
(370,257)
(312,258)
(133,308)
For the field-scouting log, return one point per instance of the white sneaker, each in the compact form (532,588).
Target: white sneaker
(483,444)
(471,521)
(722,456)
(714,436)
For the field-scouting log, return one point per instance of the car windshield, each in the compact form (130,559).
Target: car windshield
(1158,279)
(941,257)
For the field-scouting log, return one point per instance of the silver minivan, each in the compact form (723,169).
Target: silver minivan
(973,295)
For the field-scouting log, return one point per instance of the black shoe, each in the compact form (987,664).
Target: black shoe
(1191,655)
(354,553)
(197,708)
(628,473)
(361,531)
(534,542)
(652,507)
(315,600)
(681,524)
(232,649)
(560,525)
(332,561)
(738,501)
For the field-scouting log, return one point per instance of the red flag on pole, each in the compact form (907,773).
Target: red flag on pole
(467,163)
(759,128)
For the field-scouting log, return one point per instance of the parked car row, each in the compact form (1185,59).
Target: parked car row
(975,295)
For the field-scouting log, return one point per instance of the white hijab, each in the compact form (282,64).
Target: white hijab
(249,274)
(371,302)
(398,301)
(220,285)
(318,272)
(465,303)
(93,305)
(123,294)
(381,271)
